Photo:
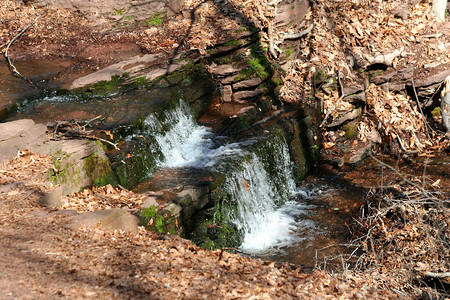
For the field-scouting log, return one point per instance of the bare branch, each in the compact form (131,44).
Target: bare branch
(11,66)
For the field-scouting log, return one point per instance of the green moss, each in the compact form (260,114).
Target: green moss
(350,131)
(154,220)
(288,52)
(232,43)
(242,29)
(155,19)
(98,169)
(119,12)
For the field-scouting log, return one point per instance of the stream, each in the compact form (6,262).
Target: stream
(277,217)
(279,220)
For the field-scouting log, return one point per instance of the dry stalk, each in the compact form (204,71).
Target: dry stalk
(405,236)
(10,64)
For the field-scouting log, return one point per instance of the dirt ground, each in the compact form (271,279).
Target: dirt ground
(43,258)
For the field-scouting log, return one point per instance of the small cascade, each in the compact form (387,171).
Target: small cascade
(184,143)
(265,214)
(259,179)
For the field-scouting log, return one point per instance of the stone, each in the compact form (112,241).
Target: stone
(93,9)
(78,164)
(291,11)
(173,209)
(356,98)
(229,80)
(353,85)
(401,12)
(360,153)
(227,93)
(242,96)
(247,84)
(345,116)
(53,198)
(397,79)
(434,77)
(149,65)
(111,219)
(149,202)
(21,135)
(225,70)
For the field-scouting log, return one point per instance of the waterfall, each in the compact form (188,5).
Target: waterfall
(259,181)
(184,143)
(265,214)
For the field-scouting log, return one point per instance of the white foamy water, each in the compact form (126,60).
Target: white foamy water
(265,224)
(185,143)
(265,215)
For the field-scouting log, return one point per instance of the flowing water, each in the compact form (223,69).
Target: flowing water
(269,214)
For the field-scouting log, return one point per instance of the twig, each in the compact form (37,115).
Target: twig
(440,275)
(337,102)
(102,140)
(11,66)
(27,195)
(294,36)
(429,36)
(93,119)
(428,194)
(269,31)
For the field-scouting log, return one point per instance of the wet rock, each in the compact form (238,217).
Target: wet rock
(247,84)
(113,219)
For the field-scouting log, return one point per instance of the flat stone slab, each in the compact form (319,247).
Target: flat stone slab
(21,135)
(111,219)
(149,65)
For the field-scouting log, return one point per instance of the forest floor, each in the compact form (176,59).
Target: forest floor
(404,245)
